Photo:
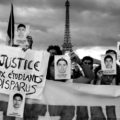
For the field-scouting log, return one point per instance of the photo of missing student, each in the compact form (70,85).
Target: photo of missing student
(108,63)
(16,104)
(118,51)
(62,67)
(21,32)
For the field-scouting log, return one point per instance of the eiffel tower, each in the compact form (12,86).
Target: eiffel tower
(67,46)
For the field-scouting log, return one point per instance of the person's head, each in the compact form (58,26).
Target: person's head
(62,65)
(75,70)
(108,60)
(29,41)
(51,69)
(107,79)
(54,50)
(87,60)
(17,100)
(110,51)
(21,28)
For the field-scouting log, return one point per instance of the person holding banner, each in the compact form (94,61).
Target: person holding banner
(86,65)
(30,41)
(101,79)
(110,51)
(87,68)
(51,74)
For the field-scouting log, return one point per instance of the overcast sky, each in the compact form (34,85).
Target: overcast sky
(93,23)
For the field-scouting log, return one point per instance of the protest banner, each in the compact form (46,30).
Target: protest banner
(71,101)
(22,71)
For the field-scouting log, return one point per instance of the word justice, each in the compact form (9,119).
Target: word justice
(19,63)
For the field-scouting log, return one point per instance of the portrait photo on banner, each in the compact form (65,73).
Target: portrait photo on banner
(108,63)
(62,67)
(16,104)
(21,32)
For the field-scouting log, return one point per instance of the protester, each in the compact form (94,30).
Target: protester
(30,41)
(51,74)
(76,70)
(113,52)
(50,71)
(54,50)
(101,79)
(110,51)
(87,67)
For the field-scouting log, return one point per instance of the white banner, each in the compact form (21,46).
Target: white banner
(71,101)
(23,71)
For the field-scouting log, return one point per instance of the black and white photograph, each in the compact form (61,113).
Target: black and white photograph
(64,55)
(16,104)
(108,63)
(62,67)
(118,51)
(21,33)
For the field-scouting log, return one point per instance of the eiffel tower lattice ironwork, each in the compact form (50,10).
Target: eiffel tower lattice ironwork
(67,46)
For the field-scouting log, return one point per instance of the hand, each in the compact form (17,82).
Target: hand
(75,58)
(25,48)
(100,74)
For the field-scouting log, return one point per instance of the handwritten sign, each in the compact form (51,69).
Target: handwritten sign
(23,71)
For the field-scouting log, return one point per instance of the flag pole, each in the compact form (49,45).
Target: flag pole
(11,27)
(11,43)
(10,30)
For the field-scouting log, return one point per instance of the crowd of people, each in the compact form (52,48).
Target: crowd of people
(82,70)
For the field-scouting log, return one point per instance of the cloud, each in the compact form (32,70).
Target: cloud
(4,2)
(110,6)
(92,22)
(92,51)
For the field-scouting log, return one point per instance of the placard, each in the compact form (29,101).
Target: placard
(21,32)
(108,63)
(16,104)
(62,67)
